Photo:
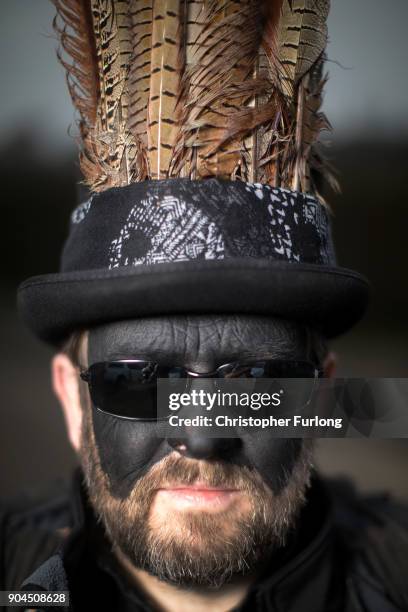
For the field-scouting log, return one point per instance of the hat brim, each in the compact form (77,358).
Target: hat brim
(331,299)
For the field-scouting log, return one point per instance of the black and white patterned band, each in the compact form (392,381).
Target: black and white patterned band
(180,220)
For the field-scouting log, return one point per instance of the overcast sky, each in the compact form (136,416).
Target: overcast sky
(369,93)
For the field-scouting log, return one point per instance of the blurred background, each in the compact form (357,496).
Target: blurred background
(367,104)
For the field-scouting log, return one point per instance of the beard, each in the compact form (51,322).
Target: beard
(188,548)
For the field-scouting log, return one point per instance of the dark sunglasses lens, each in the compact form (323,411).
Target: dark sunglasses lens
(268,369)
(292,380)
(125,389)
(286,369)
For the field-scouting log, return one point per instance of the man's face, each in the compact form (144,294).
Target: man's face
(185,519)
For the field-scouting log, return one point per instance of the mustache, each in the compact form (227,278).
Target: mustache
(176,470)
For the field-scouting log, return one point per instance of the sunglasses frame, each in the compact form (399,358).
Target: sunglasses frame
(86,376)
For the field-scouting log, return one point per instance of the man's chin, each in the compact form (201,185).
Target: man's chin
(198,532)
(203,549)
(189,554)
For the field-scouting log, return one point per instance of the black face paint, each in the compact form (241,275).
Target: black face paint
(128,449)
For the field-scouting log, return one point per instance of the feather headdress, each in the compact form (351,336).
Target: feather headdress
(196,88)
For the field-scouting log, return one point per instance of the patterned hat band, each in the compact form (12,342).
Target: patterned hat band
(179,220)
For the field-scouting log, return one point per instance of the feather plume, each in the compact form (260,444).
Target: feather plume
(196,88)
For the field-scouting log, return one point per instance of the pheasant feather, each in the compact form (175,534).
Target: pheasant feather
(141,14)
(95,34)
(164,78)
(302,38)
(217,88)
(290,154)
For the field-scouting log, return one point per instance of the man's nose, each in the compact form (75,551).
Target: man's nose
(197,442)
(197,445)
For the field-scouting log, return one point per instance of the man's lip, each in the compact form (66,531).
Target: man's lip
(196,487)
(197,496)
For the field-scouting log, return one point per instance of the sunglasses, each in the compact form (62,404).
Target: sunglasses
(128,388)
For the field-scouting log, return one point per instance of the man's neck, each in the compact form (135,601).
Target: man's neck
(169,598)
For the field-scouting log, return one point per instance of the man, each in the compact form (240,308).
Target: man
(180,265)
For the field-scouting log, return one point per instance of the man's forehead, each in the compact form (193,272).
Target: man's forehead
(195,337)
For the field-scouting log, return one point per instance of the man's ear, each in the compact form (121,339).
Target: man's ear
(66,386)
(330,365)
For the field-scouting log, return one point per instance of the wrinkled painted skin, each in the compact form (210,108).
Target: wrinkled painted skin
(128,449)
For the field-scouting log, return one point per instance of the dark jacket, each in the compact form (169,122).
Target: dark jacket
(349,554)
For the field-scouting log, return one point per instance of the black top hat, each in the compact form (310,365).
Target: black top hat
(157,102)
(181,246)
